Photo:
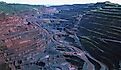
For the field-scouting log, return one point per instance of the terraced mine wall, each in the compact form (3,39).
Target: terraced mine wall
(99,34)
(67,37)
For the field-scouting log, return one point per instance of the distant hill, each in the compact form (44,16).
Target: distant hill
(12,8)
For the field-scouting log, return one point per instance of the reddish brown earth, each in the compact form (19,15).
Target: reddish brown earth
(20,38)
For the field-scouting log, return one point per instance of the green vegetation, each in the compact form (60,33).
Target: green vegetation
(14,8)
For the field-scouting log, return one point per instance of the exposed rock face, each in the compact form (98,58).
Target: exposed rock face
(99,33)
(68,37)
(95,34)
(22,40)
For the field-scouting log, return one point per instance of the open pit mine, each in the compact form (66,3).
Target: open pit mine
(64,37)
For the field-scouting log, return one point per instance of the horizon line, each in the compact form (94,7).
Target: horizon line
(56,4)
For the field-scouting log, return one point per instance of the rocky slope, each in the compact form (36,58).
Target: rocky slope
(67,37)
(99,33)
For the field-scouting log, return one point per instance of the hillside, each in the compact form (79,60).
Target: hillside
(14,8)
(65,37)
